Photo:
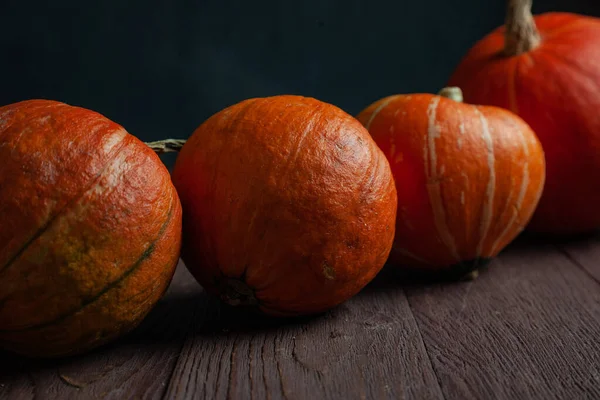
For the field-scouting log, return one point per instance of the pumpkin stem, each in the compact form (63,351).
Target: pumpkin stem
(521,32)
(452,93)
(166,146)
(236,292)
(471,275)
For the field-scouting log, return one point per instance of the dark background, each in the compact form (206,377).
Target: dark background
(160,68)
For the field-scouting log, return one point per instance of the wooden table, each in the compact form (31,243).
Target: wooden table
(528,327)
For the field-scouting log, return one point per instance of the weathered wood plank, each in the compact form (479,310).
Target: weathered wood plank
(369,347)
(526,328)
(138,366)
(529,327)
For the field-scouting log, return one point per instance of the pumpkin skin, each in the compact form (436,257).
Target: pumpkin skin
(288,205)
(555,87)
(91,229)
(468,179)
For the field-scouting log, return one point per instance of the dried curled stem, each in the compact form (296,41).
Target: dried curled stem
(521,33)
(166,146)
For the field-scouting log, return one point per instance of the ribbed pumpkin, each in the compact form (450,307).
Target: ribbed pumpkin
(90,233)
(289,205)
(547,70)
(468,178)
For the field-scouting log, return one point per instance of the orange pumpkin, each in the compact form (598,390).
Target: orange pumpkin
(288,204)
(547,70)
(468,178)
(91,229)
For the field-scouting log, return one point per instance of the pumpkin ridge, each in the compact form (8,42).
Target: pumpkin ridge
(512,87)
(573,66)
(141,311)
(66,207)
(297,149)
(244,108)
(369,176)
(488,204)
(384,103)
(432,175)
(152,287)
(511,210)
(559,31)
(515,219)
(144,256)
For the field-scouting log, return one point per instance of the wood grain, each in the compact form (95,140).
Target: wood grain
(139,366)
(367,348)
(527,328)
(584,252)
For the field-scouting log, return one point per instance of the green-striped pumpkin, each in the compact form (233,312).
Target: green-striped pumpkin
(90,229)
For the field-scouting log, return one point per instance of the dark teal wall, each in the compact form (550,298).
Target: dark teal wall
(161,67)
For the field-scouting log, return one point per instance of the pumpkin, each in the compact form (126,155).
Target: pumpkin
(468,178)
(288,205)
(547,70)
(91,229)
